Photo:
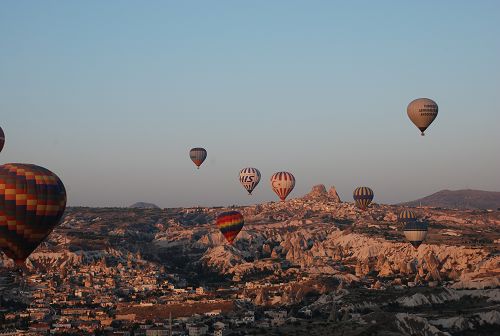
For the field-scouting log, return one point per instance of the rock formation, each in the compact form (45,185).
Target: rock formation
(318,192)
(332,193)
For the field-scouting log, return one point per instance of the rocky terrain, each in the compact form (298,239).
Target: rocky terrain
(336,269)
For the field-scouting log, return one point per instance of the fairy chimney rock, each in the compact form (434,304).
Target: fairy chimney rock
(332,194)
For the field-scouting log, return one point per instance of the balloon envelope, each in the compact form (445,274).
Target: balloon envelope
(363,196)
(415,232)
(230,224)
(282,184)
(32,202)
(198,155)
(422,112)
(407,216)
(249,178)
(2,139)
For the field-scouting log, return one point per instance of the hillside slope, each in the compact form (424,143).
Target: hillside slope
(460,199)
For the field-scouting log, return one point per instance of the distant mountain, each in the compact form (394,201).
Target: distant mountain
(460,199)
(143,205)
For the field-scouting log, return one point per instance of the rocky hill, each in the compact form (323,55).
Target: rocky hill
(144,205)
(459,199)
(319,192)
(350,270)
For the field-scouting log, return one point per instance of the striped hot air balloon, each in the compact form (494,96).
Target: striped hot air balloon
(422,112)
(32,202)
(282,184)
(363,196)
(198,155)
(230,224)
(249,178)
(415,232)
(2,139)
(407,216)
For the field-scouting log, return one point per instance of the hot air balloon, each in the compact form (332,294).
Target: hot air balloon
(407,216)
(415,232)
(32,202)
(198,155)
(422,112)
(2,139)
(249,178)
(363,196)
(283,184)
(230,224)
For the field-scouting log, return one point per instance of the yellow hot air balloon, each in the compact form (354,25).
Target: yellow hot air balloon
(422,112)
(363,196)
(407,216)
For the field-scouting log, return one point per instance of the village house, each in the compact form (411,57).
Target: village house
(198,329)
(157,331)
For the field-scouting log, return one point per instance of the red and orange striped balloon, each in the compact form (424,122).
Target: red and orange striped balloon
(282,184)
(230,224)
(32,202)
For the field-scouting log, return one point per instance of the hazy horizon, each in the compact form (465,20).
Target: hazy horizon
(111,96)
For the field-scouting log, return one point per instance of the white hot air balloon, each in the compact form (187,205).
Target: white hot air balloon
(249,178)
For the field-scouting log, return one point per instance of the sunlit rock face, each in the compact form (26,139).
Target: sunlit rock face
(317,237)
(319,193)
(332,193)
(314,252)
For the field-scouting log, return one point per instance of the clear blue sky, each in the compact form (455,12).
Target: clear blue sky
(111,95)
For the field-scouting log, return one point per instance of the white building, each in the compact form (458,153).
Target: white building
(249,285)
(249,317)
(276,313)
(157,331)
(212,313)
(219,328)
(277,317)
(277,321)
(197,329)
(305,311)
